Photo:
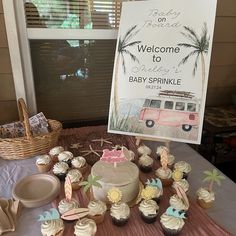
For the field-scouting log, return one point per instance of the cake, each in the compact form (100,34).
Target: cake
(52,228)
(75,178)
(145,163)
(85,227)
(80,164)
(184,167)
(65,205)
(60,169)
(205,198)
(54,152)
(124,176)
(97,210)
(120,213)
(44,163)
(148,210)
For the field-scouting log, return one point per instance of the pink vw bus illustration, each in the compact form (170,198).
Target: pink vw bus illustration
(169,111)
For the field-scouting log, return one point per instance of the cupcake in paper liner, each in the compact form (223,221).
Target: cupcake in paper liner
(97,210)
(54,152)
(144,150)
(85,227)
(80,164)
(149,211)
(145,163)
(75,177)
(66,157)
(44,163)
(60,169)
(184,167)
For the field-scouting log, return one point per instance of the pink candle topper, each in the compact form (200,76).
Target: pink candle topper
(114,156)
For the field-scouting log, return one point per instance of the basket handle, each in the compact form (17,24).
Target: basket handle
(24,117)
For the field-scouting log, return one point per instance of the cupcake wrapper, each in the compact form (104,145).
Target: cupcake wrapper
(204,204)
(97,218)
(185,175)
(120,222)
(61,176)
(60,233)
(75,186)
(44,168)
(170,232)
(148,219)
(145,169)
(167,182)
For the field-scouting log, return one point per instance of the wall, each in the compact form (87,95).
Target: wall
(222,78)
(8,107)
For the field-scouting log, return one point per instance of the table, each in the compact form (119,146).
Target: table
(223,212)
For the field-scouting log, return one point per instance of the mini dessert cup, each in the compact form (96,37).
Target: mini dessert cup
(148,210)
(66,157)
(205,198)
(145,163)
(80,164)
(97,210)
(120,213)
(54,152)
(44,163)
(184,167)
(75,178)
(60,170)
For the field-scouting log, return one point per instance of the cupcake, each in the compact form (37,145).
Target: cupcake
(156,185)
(120,213)
(44,163)
(144,150)
(183,184)
(177,203)
(159,151)
(85,227)
(129,155)
(164,174)
(52,228)
(65,205)
(80,164)
(75,178)
(148,210)
(54,152)
(171,160)
(97,210)
(60,170)
(205,198)
(171,225)
(66,156)
(184,167)
(145,163)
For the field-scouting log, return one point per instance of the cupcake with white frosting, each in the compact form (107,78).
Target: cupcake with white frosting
(97,210)
(184,167)
(60,169)
(165,175)
(120,213)
(183,183)
(148,210)
(44,163)
(144,150)
(145,163)
(52,228)
(65,205)
(80,164)
(159,151)
(85,227)
(205,198)
(177,203)
(171,161)
(66,157)
(75,178)
(171,225)
(54,152)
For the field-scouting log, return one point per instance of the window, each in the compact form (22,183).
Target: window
(146,103)
(155,104)
(180,106)
(191,107)
(70,45)
(169,105)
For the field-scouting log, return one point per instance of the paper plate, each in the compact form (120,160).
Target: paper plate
(36,190)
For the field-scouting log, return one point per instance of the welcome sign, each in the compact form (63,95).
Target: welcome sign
(161,69)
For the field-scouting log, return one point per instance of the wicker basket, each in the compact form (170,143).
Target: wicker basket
(29,146)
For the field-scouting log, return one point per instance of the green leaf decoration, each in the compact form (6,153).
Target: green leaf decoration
(207,172)
(97,185)
(97,178)
(86,188)
(208,178)
(213,177)
(90,178)
(83,183)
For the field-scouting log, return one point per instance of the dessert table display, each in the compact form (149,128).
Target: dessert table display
(198,221)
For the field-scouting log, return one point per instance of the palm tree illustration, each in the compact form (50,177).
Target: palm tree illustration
(123,49)
(199,45)
(91,181)
(212,177)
